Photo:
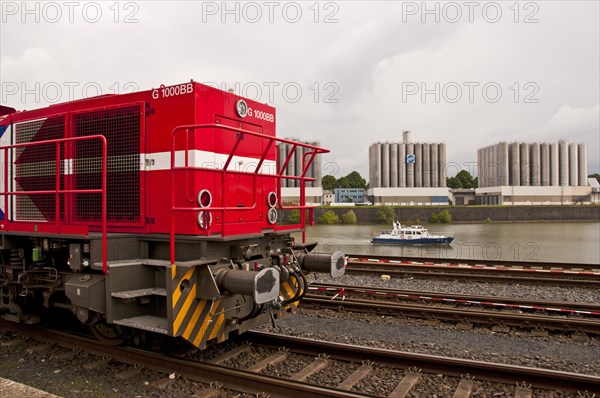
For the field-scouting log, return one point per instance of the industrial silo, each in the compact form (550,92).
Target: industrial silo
(371,165)
(394,165)
(504,164)
(385,165)
(298,163)
(317,168)
(402,165)
(290,168)
(281,155)
(480,168)
(377,160)
(426,170)
(554,165)
(434,165)
(534,164)
(583,166)
(492,171)
(545,164)
(573,165)
(563,163)
(418,165)
(410,167)
(524,154)
(515,164)
(442,165)
(485,170)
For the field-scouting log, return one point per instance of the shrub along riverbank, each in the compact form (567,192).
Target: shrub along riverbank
(458,214)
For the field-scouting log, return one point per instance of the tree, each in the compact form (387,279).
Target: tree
(329,217)
(352,180)
(349,217)
(355,180)
(385,215)
(328,182)
(463,179)
(595,175)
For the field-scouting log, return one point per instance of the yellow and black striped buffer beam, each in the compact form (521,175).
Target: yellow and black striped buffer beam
(288,290)
(196,320)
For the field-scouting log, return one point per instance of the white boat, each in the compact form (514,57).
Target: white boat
(415,234)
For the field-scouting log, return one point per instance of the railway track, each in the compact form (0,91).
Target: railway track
(579,275)
(524,313)
(408,370)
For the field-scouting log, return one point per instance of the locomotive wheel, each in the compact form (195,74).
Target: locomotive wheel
(107,334)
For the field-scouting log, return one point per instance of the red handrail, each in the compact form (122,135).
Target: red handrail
(240,136)
(57,191)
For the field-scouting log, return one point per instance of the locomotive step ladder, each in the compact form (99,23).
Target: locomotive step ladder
(137,294)
(149,323)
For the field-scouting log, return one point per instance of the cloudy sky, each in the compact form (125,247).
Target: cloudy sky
(347,73)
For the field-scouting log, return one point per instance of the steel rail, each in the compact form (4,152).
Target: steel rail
(511,263)
(471,274)
(460,314)
(452,298)
(536,377)
(238,380)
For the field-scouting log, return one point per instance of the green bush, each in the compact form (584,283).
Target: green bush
(443,217)
(294,217)
(349,217)
(329,217)
(385,215)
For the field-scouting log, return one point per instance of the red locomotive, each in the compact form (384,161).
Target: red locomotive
(152,211)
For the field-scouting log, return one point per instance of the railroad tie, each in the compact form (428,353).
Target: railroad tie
(272,359)
(405,385)
(38,349)
(100,363)
(463,390)
(161,384)
(314,367)
(12,343)
(207,393)
(130,373)
(65,356)
(355,377)
(522,392)
(229,355)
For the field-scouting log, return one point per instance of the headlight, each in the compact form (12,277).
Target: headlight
(241,108)
(204,219)
(204,198)
(272,199)
(272,215)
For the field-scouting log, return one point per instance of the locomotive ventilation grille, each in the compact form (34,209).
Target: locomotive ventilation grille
(121,127)
(35,169)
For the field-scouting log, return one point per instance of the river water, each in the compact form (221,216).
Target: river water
(548,241)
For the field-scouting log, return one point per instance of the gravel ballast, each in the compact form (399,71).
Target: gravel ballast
(61,372)
(554,352)
(514,290)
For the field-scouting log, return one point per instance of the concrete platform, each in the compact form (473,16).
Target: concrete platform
(9,388)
